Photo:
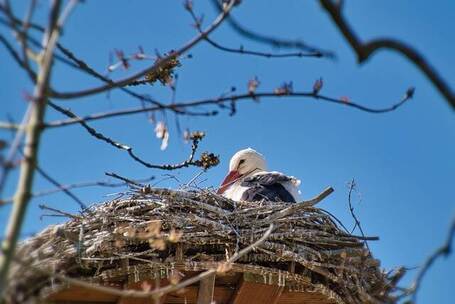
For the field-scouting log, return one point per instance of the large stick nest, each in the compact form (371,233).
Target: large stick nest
(153,231)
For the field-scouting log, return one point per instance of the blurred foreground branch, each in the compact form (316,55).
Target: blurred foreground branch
(444,251)
(33,134)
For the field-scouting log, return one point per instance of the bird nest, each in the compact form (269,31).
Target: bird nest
(153,232)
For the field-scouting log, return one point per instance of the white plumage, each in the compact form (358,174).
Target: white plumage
(248,179)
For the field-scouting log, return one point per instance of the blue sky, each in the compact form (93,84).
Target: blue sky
(402,161)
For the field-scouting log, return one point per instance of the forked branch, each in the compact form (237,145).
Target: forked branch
(364,50)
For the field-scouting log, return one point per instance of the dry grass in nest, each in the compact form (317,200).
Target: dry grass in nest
(159,230)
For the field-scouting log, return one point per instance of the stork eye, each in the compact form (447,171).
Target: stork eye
(241,161)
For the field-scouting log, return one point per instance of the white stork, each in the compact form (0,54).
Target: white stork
(249,180)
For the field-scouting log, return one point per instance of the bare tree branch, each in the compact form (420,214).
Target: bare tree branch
(272,41)
(78,64)
(9,125)
(157,65)
(181,108)
(241,50)
(233,98)
(23,38)
(37,44)
(16,56)
(365,49)
(14,21)
(60,186)
(444,251)
(32,141)
(15,146)
(206,163)
(89,70)
(21,34)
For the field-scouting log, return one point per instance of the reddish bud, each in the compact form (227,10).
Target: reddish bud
(317,86)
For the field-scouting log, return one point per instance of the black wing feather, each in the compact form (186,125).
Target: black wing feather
(265,179)
(267,187)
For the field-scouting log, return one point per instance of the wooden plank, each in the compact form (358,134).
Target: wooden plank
(293,297)
(134,301)
(251,292)
(81,295)
(189,295)
(140,286)
(206,289)
(229,279)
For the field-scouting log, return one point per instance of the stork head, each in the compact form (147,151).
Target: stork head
(242,164)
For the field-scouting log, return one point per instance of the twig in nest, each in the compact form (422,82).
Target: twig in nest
(157,293)
(126,180)
(59,212)
(298,206)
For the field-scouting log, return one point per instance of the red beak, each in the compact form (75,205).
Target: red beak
(231,178)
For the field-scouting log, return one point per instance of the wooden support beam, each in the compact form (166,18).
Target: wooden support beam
(258,293)
(292,267)
(179,253)
(206,290)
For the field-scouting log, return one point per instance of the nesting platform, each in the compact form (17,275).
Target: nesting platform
(155,238)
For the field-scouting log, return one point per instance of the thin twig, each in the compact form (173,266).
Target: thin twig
(76,186)
(269,40)
(16,21)
(16,57)
(242,50)
(60,212)
(444,251)
(23,38)
(352,187)
(126,180)
(83,66)
(21,35)
(37,44)
(67,191)
(53,181)
(14,148)
(187,163)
